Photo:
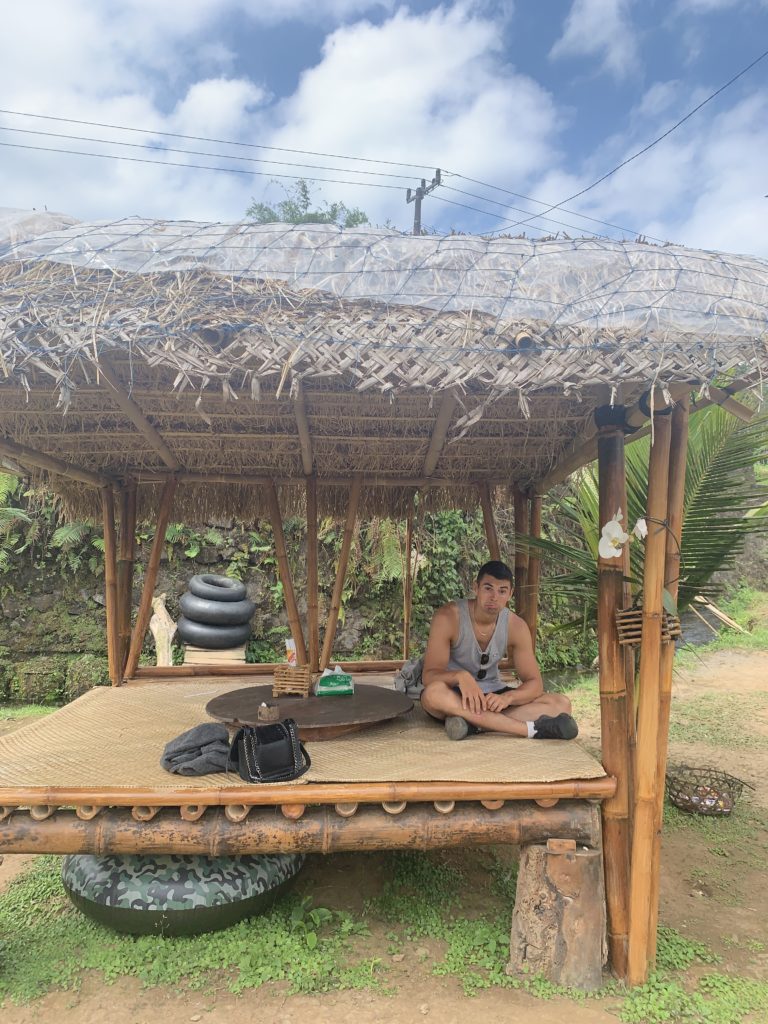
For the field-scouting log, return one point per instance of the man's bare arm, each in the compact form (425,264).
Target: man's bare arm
(526,666)
(438,650)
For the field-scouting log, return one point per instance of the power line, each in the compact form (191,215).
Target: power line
(490,213)
(655,142)
(218,142)
(199,167)
(197,152)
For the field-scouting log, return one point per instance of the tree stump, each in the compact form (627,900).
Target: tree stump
(162,627)
(558,924)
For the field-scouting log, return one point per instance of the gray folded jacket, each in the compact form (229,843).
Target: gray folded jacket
(201,750)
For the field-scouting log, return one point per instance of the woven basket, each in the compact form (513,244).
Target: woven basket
(703,790)
(292,681)
(629,625)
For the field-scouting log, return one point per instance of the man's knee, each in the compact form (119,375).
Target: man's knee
(560,703)
(433,696)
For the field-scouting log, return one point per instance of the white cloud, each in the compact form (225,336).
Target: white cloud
(602,29)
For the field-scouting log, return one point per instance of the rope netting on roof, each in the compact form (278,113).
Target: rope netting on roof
(229,304)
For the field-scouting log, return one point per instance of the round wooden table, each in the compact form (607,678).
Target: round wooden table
(318,718)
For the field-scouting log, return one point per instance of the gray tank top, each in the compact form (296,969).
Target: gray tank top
(465,653)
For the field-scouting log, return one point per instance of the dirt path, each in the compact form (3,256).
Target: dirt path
(712,890)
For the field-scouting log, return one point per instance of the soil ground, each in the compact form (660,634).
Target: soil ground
(711,891)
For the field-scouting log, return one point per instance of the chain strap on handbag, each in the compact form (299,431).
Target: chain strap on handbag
(269,753)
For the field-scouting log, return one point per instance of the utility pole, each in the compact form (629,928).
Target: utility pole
(417,195)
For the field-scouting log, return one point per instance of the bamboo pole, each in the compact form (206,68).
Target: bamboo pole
(313,617)
(150,578)
(31,457)
(489,522)
(125,562)
(646,781)
(521,557)
(675,502)
(613,702)
(408,580)
(110,585)
(341,571)
(534,570)
(284,571)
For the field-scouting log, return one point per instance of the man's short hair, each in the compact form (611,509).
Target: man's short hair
(498,570)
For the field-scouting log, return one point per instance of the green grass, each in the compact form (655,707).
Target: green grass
(11,712)
(719,719)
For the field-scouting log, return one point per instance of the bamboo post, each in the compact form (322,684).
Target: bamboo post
(675,503)
(489,522)
(150,578)
(341,571)
(125,563)
(408,580)
(521,556)
(313,618)
(534,570)
(614,713)
(110,584)
(284,571)
(646,781)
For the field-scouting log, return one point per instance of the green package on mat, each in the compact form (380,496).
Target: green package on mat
(336,684)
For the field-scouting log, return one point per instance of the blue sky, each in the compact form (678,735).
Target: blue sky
(540,97)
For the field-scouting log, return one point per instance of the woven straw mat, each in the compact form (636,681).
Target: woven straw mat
(113,737)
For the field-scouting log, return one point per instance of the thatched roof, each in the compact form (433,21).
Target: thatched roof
(229,338)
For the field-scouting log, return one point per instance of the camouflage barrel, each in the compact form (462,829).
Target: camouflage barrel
(176,895)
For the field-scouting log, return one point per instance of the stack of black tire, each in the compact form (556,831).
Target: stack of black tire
(216,613)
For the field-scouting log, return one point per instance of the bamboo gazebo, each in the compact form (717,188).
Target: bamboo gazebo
(153,366)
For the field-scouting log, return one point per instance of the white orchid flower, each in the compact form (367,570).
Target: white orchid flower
(640,529)
(612,538)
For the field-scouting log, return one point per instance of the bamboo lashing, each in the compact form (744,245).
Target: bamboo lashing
(150,578)
(284,571)
(629,626)
(616,755)
(341,572)
(646,782)
(672,565)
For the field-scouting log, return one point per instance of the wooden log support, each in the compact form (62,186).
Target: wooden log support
(110,585)
(534,570)
(125,563)
(522,525)
(646,781)
(313,614)
(150,578)
(491,535)
(408,575)
(341,571)
(284,571)
(614,713)
(675,502)
(319,830)
(558,924)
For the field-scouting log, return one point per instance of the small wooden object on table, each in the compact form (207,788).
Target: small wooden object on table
(292,681)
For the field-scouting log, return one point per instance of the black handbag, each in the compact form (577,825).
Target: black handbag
(269,753)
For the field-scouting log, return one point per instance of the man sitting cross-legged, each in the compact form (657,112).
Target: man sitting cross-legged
(462,686)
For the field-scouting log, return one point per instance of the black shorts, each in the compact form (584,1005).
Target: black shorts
(503,689)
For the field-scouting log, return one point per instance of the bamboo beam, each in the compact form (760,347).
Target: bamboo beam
(522,526)
(150,578)
(313,616)
(31,457)
(646,781)
(672,564)
(319,830)
(125,563)
(235,668)
(439,434)
(305,438)
(284,571)
(341,571)
(110,585)
(616,755)
(534,570)
(719,396)
(135,415)
(408,579)
(491,536)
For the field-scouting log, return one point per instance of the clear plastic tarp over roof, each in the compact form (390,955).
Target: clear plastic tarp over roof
(590,283)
